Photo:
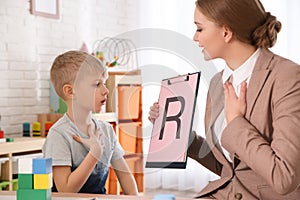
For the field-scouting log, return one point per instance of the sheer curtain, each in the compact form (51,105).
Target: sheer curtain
(177,15)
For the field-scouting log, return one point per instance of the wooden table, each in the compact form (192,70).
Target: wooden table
(11,195)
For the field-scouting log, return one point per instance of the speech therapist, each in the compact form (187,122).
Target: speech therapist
(252,118)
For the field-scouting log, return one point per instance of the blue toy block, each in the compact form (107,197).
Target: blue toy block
(164,197)
(42,166)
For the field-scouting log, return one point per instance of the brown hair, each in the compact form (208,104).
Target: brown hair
(247,19)
(66,66)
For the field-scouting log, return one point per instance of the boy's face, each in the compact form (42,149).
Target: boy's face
(90,92)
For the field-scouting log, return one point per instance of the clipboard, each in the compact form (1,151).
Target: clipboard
(171,130)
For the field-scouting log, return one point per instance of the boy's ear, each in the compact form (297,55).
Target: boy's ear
(68,90)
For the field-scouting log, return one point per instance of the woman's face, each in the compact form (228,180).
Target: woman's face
(209,36)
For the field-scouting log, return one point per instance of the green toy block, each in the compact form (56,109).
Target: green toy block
(25,181)
(27,194)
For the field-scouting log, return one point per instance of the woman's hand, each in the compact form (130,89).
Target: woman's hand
(93,143)
(234,106)
(154,112)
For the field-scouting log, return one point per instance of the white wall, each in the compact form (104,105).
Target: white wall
(287,12)
(28,45)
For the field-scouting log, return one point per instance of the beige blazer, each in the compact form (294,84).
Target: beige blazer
(264,145)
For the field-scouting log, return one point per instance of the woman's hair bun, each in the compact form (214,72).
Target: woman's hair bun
(265,36)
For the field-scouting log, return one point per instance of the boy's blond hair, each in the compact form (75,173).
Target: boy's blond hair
(66,66)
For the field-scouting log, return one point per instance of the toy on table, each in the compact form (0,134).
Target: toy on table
(48,125)
(26,129)
(164,197)
(34,179)
(2,138)
(36,129)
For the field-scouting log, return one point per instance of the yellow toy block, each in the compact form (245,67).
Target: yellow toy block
(42,181)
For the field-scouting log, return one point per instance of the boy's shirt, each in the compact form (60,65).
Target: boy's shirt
(65,151)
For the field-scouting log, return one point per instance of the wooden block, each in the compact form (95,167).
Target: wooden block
(42,181)
(25,166)
(42,118)
(25,181)
(26,194)
(42,165)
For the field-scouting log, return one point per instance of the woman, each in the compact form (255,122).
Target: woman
(252,119)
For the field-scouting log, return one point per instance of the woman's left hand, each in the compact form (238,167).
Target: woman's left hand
(234,106)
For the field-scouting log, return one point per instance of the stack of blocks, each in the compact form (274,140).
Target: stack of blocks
(34,179)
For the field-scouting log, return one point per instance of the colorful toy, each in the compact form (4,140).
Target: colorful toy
(48,125)
(1,131)
(115,52)
(36,129)
(26,129)
(34,179)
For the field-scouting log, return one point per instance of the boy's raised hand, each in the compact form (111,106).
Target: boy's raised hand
(93,143)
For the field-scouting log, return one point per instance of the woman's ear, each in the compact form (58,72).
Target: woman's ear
(227,34)
(68,91)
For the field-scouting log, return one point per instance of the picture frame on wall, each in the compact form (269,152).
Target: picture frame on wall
(45,8)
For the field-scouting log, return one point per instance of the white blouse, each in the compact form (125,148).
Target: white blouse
(238,76)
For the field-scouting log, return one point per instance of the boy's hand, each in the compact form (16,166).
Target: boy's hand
(93,143)
(154,112)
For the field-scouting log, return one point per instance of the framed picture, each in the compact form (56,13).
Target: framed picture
(45,8)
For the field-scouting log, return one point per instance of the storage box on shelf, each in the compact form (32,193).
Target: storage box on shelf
(125,99)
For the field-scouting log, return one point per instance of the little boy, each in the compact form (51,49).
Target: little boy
(82,147)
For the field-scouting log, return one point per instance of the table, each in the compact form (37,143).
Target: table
(11,195)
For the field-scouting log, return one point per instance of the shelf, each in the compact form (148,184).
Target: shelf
(10,151)
(108,116)
(22,144)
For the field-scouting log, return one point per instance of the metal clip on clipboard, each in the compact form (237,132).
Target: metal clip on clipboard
(172,81)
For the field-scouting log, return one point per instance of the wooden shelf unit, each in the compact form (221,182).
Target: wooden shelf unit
(125,99)
(20,146)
